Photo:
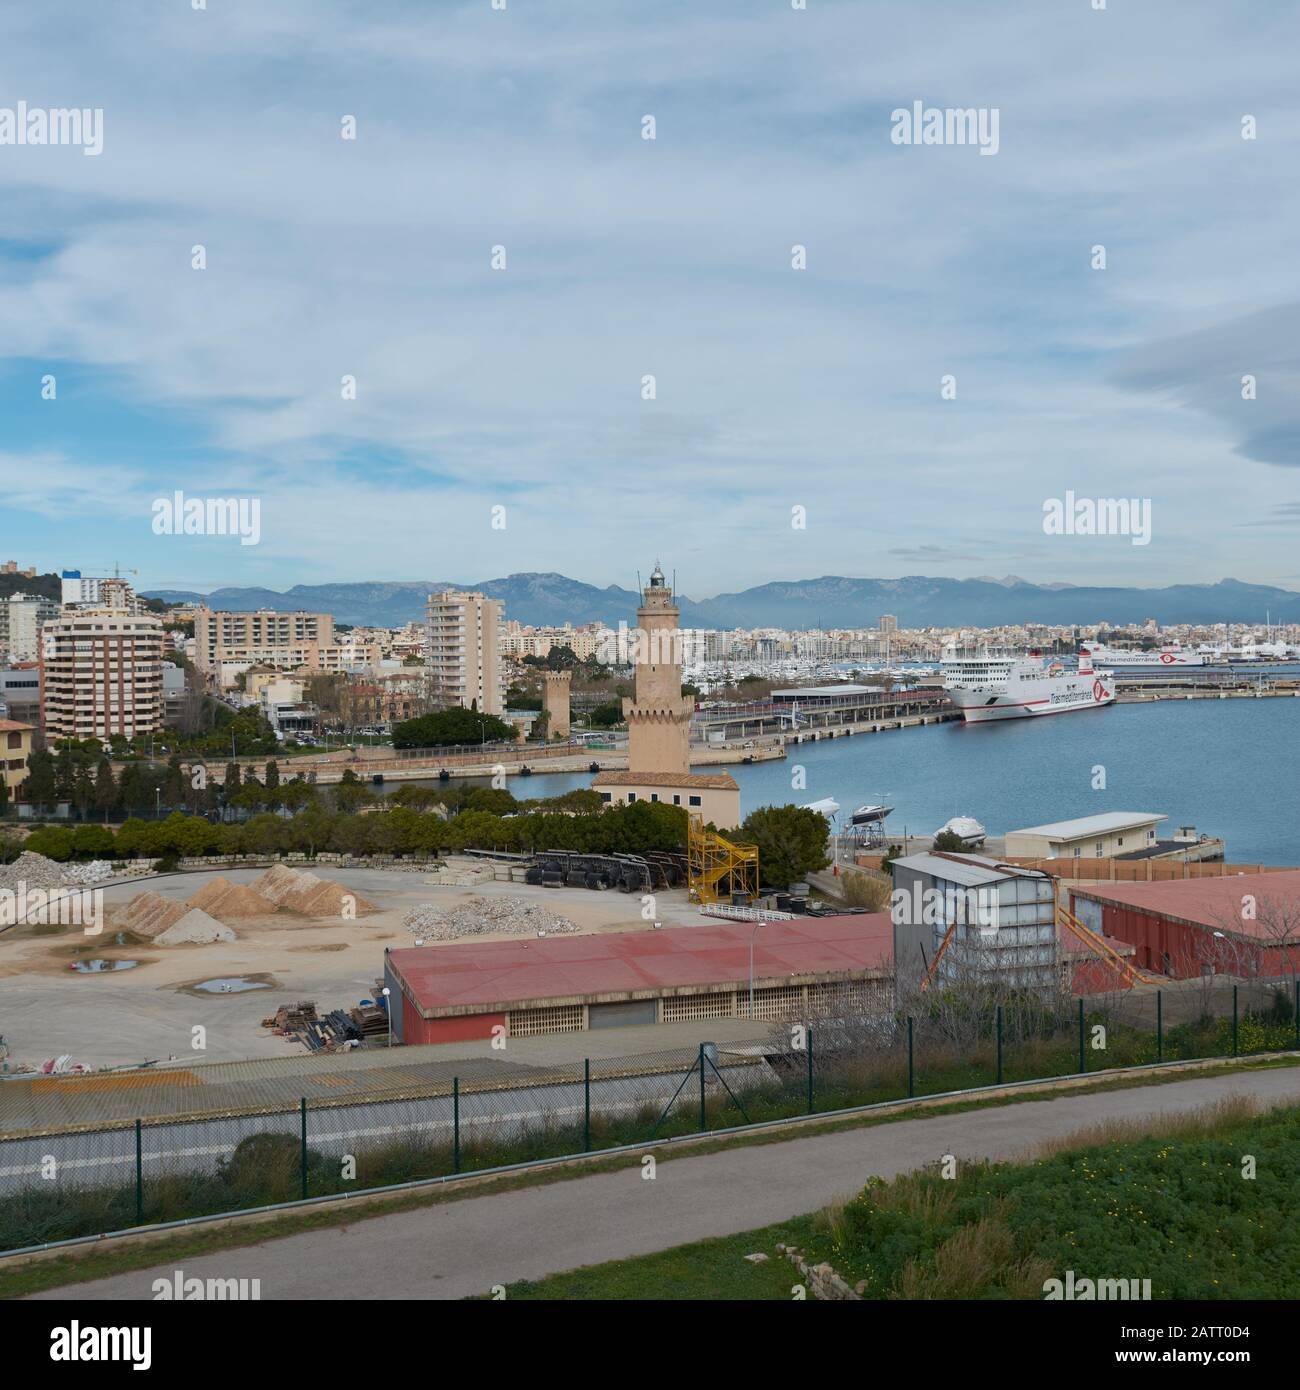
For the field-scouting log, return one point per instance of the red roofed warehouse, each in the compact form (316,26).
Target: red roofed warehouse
(565,984)
(1239,925)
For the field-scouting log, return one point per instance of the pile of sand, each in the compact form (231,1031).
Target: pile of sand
(298,891)
(196,928)
(148,914)
(224,899)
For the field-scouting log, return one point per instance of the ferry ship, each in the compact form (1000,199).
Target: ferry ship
(1167,658)
(1001,685)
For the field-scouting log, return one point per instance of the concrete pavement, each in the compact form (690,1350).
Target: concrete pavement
(461,1248)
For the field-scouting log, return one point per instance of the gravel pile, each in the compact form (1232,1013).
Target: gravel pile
(482,916)
(32,870)
(196,928)
(36,871)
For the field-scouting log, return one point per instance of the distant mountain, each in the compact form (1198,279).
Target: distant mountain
(832,601)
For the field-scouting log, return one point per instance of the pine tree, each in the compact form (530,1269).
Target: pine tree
(38,788)
(105,788)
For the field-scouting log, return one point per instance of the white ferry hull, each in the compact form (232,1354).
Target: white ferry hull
(1148,661)
(1030,698)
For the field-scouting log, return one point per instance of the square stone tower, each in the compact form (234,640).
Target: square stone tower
(555,701)
(658,715)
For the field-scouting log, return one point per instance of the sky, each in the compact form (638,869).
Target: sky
(799,424)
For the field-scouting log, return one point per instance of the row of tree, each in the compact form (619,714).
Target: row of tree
(791,840)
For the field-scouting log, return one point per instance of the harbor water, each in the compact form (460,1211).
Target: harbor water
(1231,768)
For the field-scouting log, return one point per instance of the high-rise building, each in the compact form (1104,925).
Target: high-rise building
(265,637)
(888,622)
(463,651)
(22,616)
(101,674)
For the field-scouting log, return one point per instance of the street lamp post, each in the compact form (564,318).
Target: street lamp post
(389,1011)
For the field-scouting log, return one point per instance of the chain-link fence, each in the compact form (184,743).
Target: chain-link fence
(59,1184)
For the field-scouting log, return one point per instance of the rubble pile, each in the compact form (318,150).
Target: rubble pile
(32,871)
(484,916)
(82,875)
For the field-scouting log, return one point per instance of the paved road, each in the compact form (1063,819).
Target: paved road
(464,1247)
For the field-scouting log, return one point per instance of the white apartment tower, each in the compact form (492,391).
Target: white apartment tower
(463,651)
(101,674)
(22,616)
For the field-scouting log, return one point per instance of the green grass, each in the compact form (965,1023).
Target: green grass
(24,1275)
(714,1270)
(1171,1206)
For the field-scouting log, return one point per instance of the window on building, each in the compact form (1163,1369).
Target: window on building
(694,801)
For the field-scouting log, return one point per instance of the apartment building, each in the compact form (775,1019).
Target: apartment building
(349,654)
(20,692)
(463,651)
(16,743)
(22,616)
(283,640)
(101,674)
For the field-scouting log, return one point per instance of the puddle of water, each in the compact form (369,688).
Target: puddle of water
(234,984)
(100,965)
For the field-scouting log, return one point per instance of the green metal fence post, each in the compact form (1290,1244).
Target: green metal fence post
(1295,1012)
(911,1068)
(139,1175)
(704,1120)
(1160,1025)
(586,1105)
(1234,1020)
(455,1124)
(999,1026)
(809,1049)
(1083,1064)
(302,1147)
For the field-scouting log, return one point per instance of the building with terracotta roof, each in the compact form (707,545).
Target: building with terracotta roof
(715,796)
(802,967)
(1244,925)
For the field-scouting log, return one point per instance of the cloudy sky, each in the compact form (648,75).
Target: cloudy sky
(521,388)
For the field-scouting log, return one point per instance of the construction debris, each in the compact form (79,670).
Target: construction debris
(195,928)
(31,871)
(483,917)
(292,1018)
(82,875)
(36,871)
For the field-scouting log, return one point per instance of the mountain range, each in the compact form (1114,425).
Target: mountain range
(832,601)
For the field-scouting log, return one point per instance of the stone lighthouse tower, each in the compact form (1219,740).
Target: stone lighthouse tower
(658,715)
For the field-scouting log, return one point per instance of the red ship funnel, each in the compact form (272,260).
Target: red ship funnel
(1085,662)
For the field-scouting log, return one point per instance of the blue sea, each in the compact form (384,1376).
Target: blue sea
(1229,767)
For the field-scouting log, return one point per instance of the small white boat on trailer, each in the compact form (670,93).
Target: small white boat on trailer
(966,828)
